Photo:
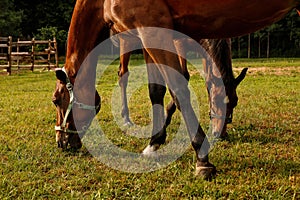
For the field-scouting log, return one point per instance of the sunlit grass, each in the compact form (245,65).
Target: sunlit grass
(267,62)
(260,160)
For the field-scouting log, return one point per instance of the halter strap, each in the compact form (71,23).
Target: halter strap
(228,120)
(73,101)
(66,130)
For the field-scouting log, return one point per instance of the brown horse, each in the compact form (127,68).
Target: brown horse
(197,19)
(219,50)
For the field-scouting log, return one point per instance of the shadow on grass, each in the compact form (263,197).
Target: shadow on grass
(70,152)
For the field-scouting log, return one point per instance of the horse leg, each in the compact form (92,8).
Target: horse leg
(123,74)
(181,51)
(181,97)
(169,67)
(157,91)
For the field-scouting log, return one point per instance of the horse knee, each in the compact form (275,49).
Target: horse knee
(181,97)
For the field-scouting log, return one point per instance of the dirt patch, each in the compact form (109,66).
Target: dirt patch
(270,70)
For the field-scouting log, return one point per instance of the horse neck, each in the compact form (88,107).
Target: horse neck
(220,51)
(87,29)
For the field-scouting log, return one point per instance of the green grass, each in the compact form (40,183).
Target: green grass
(266,62)
(260,160)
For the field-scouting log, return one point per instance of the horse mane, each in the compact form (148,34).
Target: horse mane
(220,51)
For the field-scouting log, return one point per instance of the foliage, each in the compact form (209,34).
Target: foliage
(10,18)
(46,33)
(284,39)
(41,16)
(259,161)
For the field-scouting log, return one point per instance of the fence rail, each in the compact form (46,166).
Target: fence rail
(27,54)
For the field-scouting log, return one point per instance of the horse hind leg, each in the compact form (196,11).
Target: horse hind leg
(123,74)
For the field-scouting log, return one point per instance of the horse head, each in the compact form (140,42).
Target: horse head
(72,117)
(223,99)
(221,83)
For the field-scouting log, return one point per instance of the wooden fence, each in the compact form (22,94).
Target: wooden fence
(27,54)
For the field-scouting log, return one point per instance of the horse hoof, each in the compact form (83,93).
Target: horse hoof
(207,172)
(150,150)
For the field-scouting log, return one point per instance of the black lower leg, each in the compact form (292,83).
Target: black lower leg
(198,138)
(171,108)
(157,93)
(201,146)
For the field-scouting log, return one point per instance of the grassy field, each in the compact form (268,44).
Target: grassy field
(260,160)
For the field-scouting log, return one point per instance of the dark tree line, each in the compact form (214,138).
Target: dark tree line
(281,39)
(44,19)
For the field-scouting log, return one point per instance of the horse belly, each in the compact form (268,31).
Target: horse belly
(220,19)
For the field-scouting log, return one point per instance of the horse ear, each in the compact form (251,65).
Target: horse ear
(61,75)
(241,77)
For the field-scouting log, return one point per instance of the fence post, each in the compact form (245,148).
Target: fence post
(14,53)
(18,58)
(56,52)
(9,54)
(32,53)
(49,54)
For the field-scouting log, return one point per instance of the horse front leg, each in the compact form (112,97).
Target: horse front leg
(157,91)
(181,51)
(178,85)
(200,143)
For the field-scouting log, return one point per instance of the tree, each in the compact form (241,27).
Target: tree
(281,39)
(249,45)
(10,19)
(45,19)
